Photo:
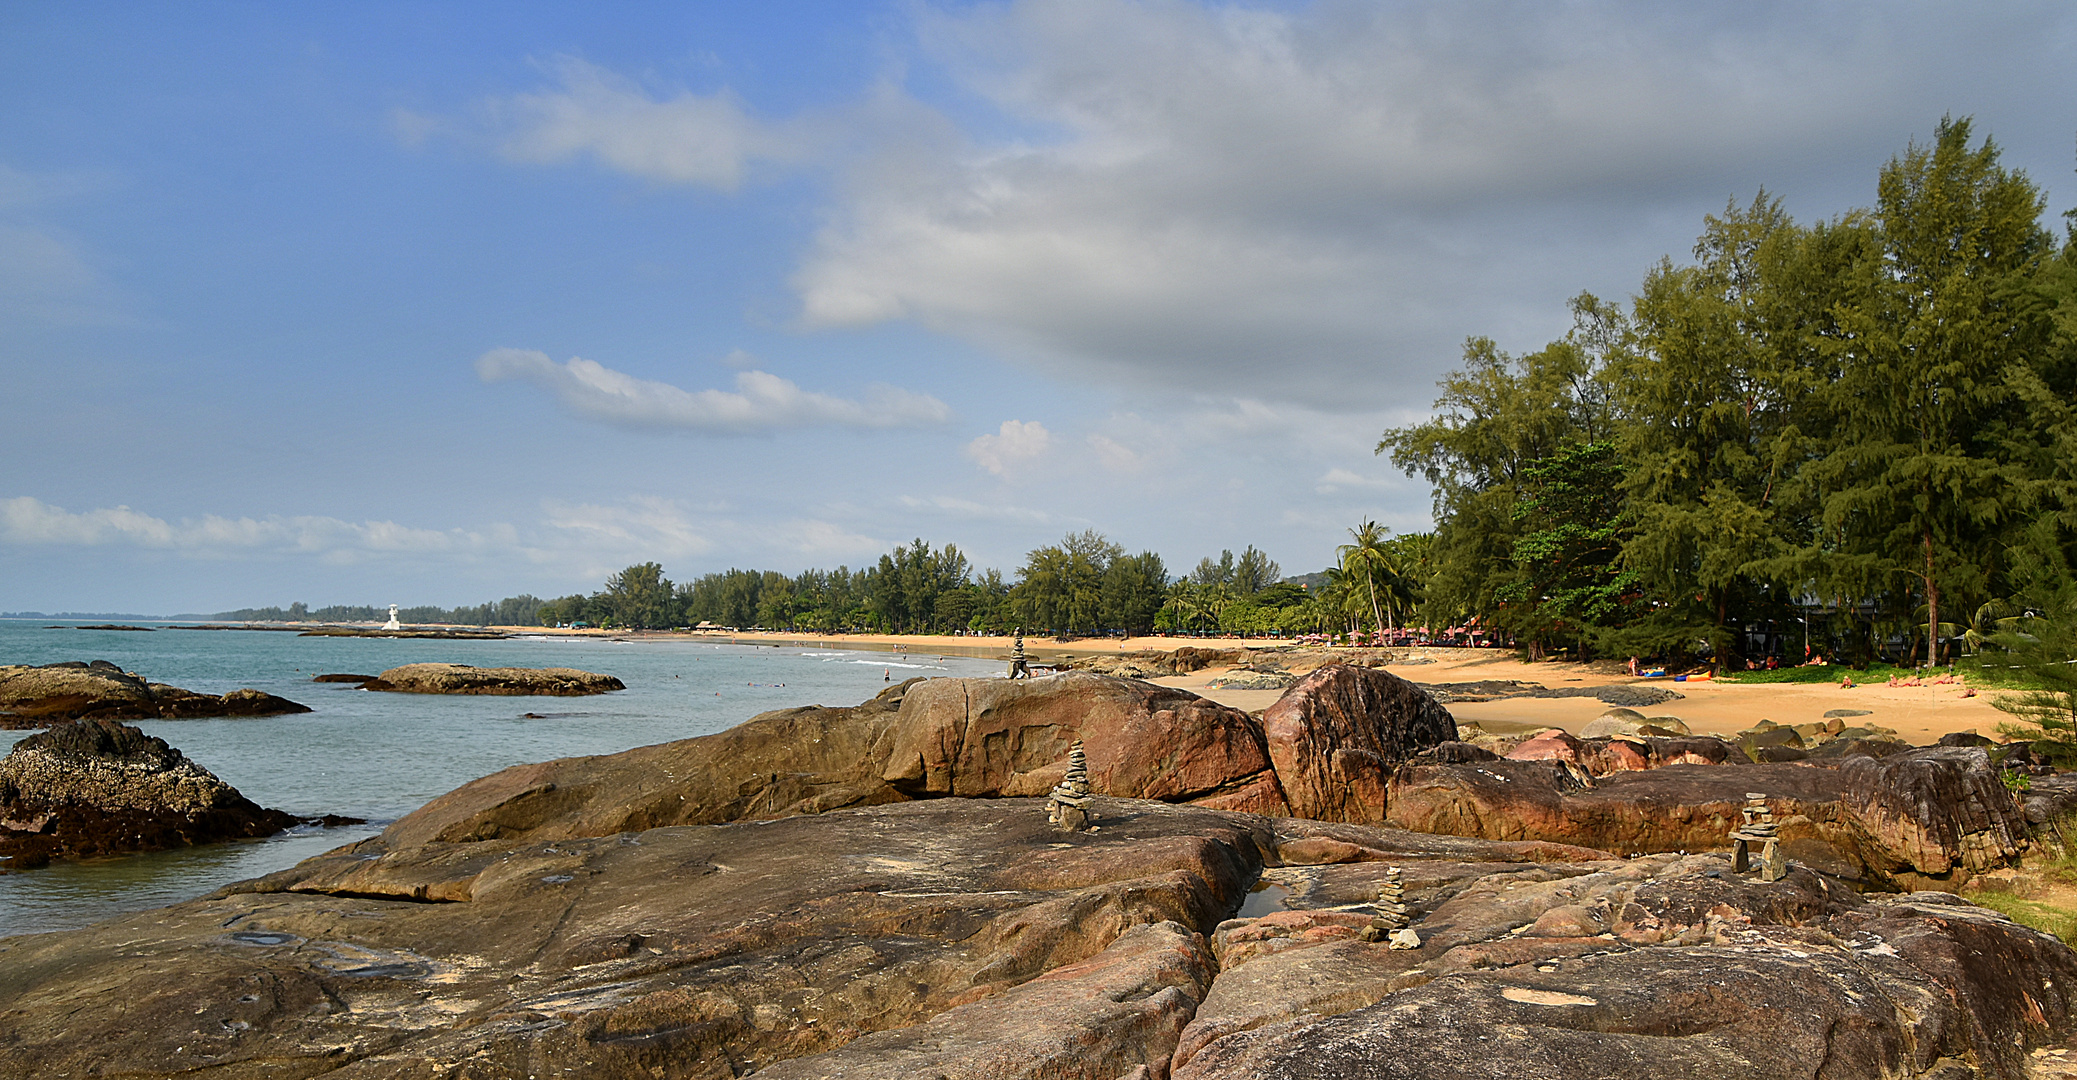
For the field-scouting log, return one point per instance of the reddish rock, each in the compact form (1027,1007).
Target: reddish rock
(1613,756)
(1552,745)
(1676,808)
(1336,735)
(922,739)
(976,737)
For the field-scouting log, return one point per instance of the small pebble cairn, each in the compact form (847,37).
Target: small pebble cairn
(1068,805)
(1393,916)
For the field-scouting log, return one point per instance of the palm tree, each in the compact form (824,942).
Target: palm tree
(1367,557)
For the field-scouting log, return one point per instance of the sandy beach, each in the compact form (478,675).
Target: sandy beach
(1919,714)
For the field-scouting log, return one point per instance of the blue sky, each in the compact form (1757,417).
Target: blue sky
(428,303)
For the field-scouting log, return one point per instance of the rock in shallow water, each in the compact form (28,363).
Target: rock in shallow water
(96,787)
(463,679)
(32,697)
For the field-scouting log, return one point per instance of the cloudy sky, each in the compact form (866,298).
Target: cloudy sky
(436,303)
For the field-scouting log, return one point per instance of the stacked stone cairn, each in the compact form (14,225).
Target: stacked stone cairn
(1758,828)
(1068,806)
(1393,916)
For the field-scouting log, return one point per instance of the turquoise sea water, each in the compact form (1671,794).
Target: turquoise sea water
(379,756)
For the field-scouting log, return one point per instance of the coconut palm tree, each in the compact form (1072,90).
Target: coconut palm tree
(1368,558)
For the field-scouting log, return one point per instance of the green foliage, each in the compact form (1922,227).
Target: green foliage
(639,598)
(1863,430)
(2043,649)
(521,610)
(1829,673)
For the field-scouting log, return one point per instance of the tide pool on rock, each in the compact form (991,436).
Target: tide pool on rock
(379,756)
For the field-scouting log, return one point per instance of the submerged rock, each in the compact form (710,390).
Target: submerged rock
(463,679)
(32,697)
(97,787)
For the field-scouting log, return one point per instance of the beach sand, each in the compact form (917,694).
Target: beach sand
(1919,714)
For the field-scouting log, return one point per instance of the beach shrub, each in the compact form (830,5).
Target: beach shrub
(2042,650)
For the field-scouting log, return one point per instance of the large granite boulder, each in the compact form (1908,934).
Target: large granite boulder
(1942,813)
(971,738)
(958,931)
(919,739)
(966,939)
(513,681)
(790,761)
(33,697)
(1011,737)
(97,787)
(1336,735)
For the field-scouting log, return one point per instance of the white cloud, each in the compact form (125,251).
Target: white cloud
(1336,479)
(761,401)
(1307,203)
(825,540)
(645,527)
(954,507)
(1016,442)
(703,139)
(1116,456)
(28,521)
(1339,192)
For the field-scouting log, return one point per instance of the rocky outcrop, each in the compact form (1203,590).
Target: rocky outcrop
(971,738)
(1913,818)
(32,697)
(518,682)
(921,739)
(967,939)
(1676,808)
(1665,966)
(974,737)
(1336,735)
(1253,679)
(931,938)
(1936,811)
(97,787)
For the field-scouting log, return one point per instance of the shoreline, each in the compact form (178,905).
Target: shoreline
(1920,714)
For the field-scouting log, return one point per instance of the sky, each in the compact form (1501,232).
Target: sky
(438,303)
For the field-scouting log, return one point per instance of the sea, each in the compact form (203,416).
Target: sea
(378,756)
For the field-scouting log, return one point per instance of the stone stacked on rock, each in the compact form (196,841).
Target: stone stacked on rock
(512,681)
(1068,803)
(32,697)
(97,787)
(1393,917)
